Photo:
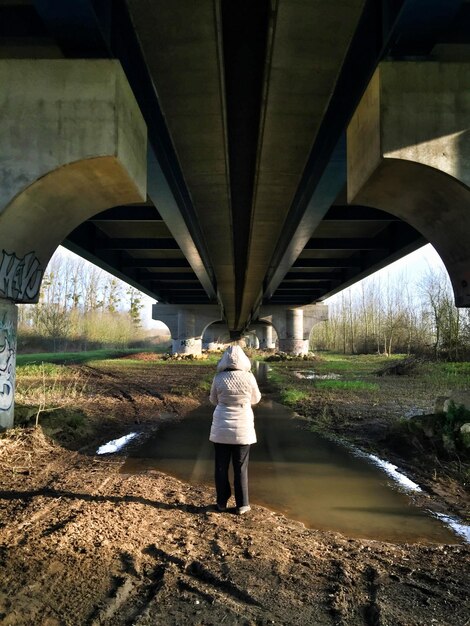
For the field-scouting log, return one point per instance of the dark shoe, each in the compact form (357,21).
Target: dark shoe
(220,508)
(241,510)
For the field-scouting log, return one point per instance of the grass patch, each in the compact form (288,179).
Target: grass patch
(63,358)
(348,385)
(356,364)
(450,375)
(293,396)
(276,376)
(38,370)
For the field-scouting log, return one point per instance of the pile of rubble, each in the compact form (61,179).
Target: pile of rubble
(283,356)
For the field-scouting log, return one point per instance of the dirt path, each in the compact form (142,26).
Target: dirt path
(81,543)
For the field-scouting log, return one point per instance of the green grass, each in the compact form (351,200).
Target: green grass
(276,376)
(331,362)
(63,358)
(293,396)
(349,385)
(39,369)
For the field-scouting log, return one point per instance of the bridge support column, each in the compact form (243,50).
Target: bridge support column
(409,155)
(265,334)
(186,324)
(215,337)
(187,342)
(292,340)
(8,326)
(293,325)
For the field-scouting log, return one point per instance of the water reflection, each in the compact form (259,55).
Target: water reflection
(299,473)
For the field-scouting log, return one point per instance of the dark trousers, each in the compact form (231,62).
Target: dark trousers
(239,456)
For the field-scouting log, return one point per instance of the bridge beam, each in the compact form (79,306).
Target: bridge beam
(409,154)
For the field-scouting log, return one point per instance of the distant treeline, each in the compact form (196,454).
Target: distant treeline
(387,317)
(81,308)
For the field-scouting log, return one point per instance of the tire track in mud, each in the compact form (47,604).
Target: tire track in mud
(354,596)
(117,383)
(135,597)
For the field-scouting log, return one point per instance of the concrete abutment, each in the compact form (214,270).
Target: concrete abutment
(8,327)
(294,324)
(74,143)
(409,155)
(187,324)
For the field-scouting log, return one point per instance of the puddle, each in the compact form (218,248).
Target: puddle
(463,530)
(311,375)
(116,444)
(303,475)
(392,470)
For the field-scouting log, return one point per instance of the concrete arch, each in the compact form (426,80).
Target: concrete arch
(74,142)
(187,324)
(268,319)
(263,330)
(215,336)
(35,223)
(433,202)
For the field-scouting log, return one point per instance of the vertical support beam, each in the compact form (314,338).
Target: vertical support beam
(313,315)
(293,340)
(265,334)
(186,324)
(8,327)
(293,325)
(187,342)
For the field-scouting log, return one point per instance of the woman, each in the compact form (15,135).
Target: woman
(234,390)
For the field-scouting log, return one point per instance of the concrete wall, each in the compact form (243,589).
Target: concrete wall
(73,144)
(186,324)
(293,325)
(409,154)
(8,324)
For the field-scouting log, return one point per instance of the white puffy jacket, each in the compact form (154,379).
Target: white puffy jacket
(234,390)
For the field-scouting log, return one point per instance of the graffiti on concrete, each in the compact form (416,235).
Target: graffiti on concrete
(187,343)
(7,363)
(20,279)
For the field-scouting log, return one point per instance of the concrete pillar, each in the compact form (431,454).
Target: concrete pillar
(293,325)
(8,326)
(73,144)
(186,324)
(293,340)
(251,340)
(187,342)
(313,315)
(409,155)
(265,334)
(216,337)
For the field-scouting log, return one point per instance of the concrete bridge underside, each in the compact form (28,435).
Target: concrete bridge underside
(237,161)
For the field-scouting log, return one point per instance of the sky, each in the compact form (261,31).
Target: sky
(413,266)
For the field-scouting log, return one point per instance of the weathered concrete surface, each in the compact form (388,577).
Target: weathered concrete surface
(302,66)
(294,324)
(186,324)
(409,154)
(8,326)
(74,144)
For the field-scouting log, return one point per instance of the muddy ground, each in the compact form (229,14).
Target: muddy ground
(81,543)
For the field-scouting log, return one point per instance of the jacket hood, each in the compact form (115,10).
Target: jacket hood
(234,358)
